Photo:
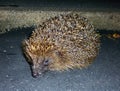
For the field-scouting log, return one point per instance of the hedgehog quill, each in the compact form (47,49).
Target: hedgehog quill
(61,43)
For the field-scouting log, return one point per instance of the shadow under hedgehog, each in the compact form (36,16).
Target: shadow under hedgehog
(60,43)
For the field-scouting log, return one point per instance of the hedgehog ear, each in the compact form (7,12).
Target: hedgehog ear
(58,53)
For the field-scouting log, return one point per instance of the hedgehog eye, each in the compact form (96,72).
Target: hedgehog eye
(46,62)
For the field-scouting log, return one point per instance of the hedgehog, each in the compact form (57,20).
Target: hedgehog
(60,43)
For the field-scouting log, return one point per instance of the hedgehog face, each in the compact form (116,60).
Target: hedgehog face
(49,61)
(40,65)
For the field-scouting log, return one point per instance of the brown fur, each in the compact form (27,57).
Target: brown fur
(68,41)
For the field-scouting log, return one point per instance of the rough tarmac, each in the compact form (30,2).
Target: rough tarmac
(15,74)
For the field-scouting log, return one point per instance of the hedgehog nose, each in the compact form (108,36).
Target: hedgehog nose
(35,75)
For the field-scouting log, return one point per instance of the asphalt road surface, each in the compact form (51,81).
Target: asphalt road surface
(15,73)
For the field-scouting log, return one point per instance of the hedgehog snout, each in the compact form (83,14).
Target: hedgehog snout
(39,69)
(35,75)
(36,71)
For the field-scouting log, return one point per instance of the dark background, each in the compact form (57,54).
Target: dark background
(80,4)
